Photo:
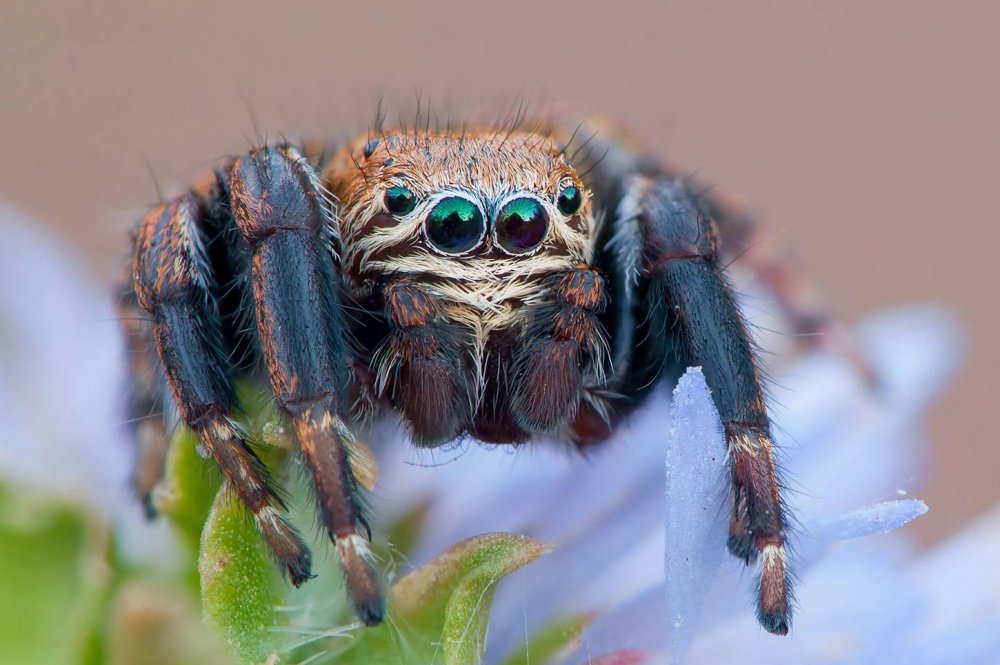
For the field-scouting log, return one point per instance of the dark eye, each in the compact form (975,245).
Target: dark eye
(455,225)
(400,200)
(521,226)
(569,200)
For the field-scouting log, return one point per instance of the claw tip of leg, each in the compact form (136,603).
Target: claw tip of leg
(774,623)
(300,570)
(372,611)
(741,548)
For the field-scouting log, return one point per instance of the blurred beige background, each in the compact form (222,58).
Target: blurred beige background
(865,134)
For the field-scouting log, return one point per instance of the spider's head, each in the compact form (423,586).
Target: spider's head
(474,205)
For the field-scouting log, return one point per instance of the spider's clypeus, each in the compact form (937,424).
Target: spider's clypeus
(501,283)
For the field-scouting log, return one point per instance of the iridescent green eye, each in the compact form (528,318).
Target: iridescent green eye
(521,226)
(569,200)
(400,200)
(455,225)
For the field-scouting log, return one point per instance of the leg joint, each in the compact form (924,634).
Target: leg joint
(274,190)
(658,263)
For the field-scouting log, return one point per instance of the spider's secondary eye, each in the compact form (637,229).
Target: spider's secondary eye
(400,200)
(521,226)
(569,200)
(455,225)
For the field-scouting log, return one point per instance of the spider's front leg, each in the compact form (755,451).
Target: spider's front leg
(171,275)
(688,295)
(277,206)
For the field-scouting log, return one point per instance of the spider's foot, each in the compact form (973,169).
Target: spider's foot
(773,602)
(300,569)
(741,546)
(757,525)
(325,440)
(776,624)
(364,584)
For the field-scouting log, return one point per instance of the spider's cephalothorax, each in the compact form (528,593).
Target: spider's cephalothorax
(473,253)
(481,282)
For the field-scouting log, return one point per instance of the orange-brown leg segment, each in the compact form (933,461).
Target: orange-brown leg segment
(172,278)
(275,201)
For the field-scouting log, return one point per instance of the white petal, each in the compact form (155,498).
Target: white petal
(846,445)
(59,385)
(696,492)
(880,517)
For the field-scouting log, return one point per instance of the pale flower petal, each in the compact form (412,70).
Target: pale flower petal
(697,487)
(59,349)
(880,517)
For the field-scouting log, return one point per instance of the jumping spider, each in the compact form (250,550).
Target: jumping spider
(500,283)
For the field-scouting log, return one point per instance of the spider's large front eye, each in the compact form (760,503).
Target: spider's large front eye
(455,225)
(400,200)
(521,226)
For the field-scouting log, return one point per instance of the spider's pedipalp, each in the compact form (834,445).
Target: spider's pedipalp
(172,278)
(563,340)
(301,329)
(421,364)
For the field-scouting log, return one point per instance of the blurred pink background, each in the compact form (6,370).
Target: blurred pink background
(866,136)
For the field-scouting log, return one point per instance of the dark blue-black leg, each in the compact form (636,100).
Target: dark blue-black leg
(690,310)
(276,204)
(173,284)
(671,306)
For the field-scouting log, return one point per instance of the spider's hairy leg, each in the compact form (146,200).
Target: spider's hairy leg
(146,418)
(800,302)
(277,206)
(560,338)
(689,296)
(172,278)
(421,361)
(739,242)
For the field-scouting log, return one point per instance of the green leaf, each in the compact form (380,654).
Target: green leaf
(45,551)
(438,614)
(456,590)
(155,624)
(189,486)
(552,643)
(237,580)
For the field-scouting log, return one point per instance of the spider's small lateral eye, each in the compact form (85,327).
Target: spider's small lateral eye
(521,226)
(570,200)
(455,225)
(400,200)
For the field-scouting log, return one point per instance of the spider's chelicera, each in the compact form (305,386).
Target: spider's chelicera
(496,283)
